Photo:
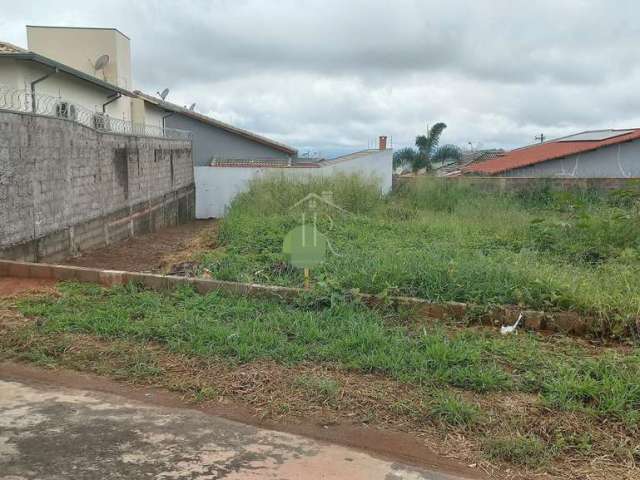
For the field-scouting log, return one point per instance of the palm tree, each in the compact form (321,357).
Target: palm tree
(428,151)
(405,157)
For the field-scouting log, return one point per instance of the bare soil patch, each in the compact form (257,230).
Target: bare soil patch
(13,286)
(154,252)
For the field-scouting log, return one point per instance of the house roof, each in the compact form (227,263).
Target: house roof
(8,50)
(6,47)
(554,149)
(172,107)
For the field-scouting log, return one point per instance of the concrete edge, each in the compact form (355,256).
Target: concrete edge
(566,322)
(10,268)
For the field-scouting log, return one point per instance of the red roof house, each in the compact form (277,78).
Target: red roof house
(597,153)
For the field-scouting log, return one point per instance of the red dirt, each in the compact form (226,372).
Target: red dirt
(12,286)
(152,252)
(385,444)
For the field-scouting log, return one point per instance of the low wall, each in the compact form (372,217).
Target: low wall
(217,185)
(565,322)
(65,187)
(170,209)
(519,184)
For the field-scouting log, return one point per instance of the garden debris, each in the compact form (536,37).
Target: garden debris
(506,329)
(184,269)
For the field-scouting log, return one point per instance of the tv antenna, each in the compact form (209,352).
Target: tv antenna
(541,137)
(164,93)
(192,107)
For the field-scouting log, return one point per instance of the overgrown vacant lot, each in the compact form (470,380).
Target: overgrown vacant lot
(539,404)
(517,406)
(446,241)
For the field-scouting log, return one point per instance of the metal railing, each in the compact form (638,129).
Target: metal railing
(41,104)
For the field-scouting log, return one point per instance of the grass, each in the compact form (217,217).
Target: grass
(566,376)
(572,400)
(521,450)
(446,241)
(318,388)
(453,410)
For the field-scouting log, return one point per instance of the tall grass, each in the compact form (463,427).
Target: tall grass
(277,194)
(241,329)
(447,241)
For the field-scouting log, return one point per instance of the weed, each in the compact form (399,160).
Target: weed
(606,385)
(193,344)
(527,450)
(447,241)
(205,393)
(453,410)
(240,330)
(319,388)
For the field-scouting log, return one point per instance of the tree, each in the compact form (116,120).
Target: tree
(405,157)
(428,151)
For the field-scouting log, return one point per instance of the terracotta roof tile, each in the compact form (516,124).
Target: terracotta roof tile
(543,152)
(6,47)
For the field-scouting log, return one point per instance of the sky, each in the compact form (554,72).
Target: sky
(330,76)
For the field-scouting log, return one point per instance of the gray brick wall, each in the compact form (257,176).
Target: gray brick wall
(56,174)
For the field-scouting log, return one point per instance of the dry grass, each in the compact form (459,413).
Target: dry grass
(329,395)
(206,241)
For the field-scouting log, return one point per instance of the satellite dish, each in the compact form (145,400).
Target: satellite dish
(192,106)
(164,93)
(101,62)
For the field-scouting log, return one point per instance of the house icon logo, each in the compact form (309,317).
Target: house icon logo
(316,203)
(305,246)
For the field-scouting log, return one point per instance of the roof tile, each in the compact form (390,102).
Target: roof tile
(6,47)
(542,152)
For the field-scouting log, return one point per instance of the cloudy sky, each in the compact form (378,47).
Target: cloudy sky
(332,75)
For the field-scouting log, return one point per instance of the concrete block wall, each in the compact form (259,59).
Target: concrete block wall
(65,187)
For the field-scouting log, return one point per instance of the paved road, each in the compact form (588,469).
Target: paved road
(49,432)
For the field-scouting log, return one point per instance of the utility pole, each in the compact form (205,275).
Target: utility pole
(541,137)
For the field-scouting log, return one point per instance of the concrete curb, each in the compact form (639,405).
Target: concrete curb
(152,281)
(571,323)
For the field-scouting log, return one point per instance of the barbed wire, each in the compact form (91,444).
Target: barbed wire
(23,101)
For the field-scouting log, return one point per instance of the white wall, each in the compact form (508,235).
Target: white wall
(145,113)
(10,76)
(217,186)
(153,115)
(20,74)
(377,163)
